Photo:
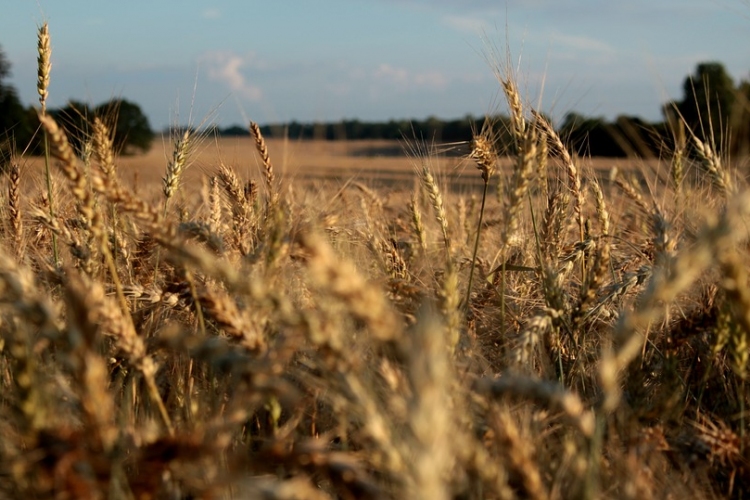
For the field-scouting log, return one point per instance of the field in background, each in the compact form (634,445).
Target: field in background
(379,164)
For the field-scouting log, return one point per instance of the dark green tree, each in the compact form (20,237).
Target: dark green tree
(132,130)
(590,136)
(76,118)
(16,128)
(708,103)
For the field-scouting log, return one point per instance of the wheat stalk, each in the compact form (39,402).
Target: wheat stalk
(14,206)
(260,145)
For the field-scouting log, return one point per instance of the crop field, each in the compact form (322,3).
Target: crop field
(252,318)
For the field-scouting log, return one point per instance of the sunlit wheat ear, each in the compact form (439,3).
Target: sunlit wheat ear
(260,145)
(601,265)
(522,175)
(241,208)
(436,199)
(214,201)
(44,65)
(573,173)
(554,225)
(484,154)
(103,147)
(176,166)
(713,165)
(68,164)
(517,119)
(601,208)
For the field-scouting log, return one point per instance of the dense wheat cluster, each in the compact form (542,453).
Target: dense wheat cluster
(582,334)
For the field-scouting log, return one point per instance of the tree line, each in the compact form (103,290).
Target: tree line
(712,107)
(19,124)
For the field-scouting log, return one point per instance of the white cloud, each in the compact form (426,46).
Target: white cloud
(211,13)
(473,25)
(581,43)
(406,79)
(226,67)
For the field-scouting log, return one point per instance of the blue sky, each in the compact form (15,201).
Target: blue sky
(279,60)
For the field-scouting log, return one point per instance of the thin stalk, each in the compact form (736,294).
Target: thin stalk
(536,231)
(742,415)
(49,196)
(198,307)
(476,244)
(502,296)
(158,249)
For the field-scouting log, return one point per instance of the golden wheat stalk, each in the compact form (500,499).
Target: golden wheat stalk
(91,218)
(104,147)
(14,206)
(176,166)
(573,172)
(436,199)
(44,65)
(44,68)
(260,144)
(416,220)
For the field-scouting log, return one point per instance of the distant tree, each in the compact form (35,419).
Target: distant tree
(16,128)
(709,97)
(132,130)
(75,118)
(589,136)
(235,131)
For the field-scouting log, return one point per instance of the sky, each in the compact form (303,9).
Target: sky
(229,61)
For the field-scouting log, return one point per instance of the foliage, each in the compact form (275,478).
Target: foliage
(714,108)
(132,130)
(15,125)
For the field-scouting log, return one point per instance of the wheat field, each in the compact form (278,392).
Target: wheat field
(242,318)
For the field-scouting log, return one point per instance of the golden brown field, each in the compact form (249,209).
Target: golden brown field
(273,319)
